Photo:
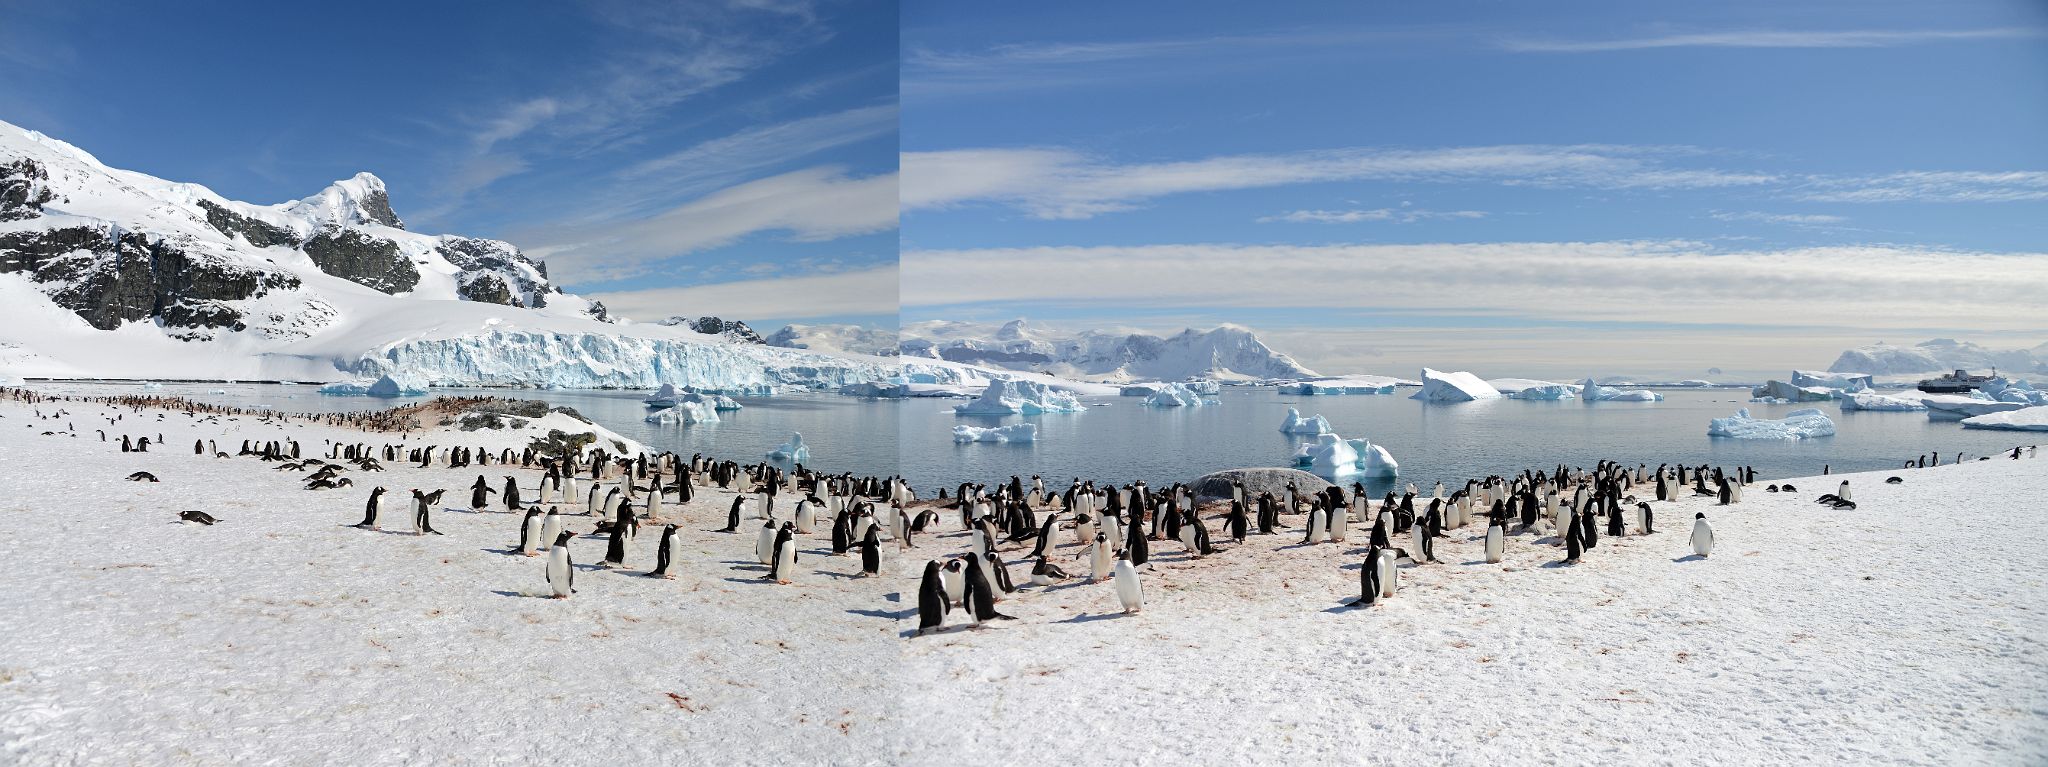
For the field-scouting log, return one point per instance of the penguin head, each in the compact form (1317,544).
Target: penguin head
(1700,515)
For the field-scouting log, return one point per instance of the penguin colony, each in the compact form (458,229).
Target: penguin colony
(1112,528)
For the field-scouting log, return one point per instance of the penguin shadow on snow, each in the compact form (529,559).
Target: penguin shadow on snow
(896,615)
(1087,618)
(1690,558)
(527,594)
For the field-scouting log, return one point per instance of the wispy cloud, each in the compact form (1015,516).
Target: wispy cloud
(1930,186)
(1064,184)
(864,292)
(813,204)
(720,161)
(930,70)
(1771,38)
(1869,287)
(1791,219)
(1403,215)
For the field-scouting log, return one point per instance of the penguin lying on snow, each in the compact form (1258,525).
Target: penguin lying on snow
(1771,489)
(1894,480)
(197,516)
(142,476)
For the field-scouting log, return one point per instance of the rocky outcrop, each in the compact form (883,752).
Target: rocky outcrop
(24,187)
(363,259)
(259,234)
(1257,481)
(109,280)
(735,331)
(496,272)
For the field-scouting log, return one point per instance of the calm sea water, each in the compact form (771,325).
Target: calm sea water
(1119,440)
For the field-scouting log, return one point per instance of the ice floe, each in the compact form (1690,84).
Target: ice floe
(2025,419)
(1175,395)
(1874,401)
(1591,391)
(1022,432)
(1805,423)
(1438,386)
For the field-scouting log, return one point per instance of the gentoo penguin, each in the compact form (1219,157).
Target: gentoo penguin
(784,568)
(1129,592)
(1496,542)
(1900,480)
(803,516)
(932,601)
(615,547)
(1044,572)
(764,543)
(372,509)
(980,600)
(420,524)
(870,552)
(1424,547)
(551,527)
(1387,571)
(1339,521)
(1099,561)
(1316,525)
(1574,542)
(1645,518)
(1703,535)
(1844,492)
(142,476)
(529,532)
(197,516)
(1368,579)
(561,571)
(480,493)
(956,578)
(664,554)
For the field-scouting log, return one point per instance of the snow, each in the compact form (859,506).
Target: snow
(1532,389)
(1020,397)
(1958,405)
(1875,401)
(1590,391)
(1295,424)
(1453,387)
(386,385)
(1021,432)
(1175,395)
(1940,355)
(1805,423)
(788,454)
(2028,419)
(1335,458)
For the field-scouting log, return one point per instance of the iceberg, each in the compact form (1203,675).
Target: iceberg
(1792,393)
(1949,406)
(1454,387)
(791,453)
(1341,386)
(1010,397)
(1333,458)
(387,385)
(1295,424)
(1023,432)
(2008,390)
(1175,395)
(666,396)
(151,385)
(1594,392)
(684,412)
(1532,389)
(878,390)
(1204,387)
(2024,419)
(1799,424)
(1842,382)
(1875,401)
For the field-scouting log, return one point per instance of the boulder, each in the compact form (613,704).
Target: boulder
(1256,481)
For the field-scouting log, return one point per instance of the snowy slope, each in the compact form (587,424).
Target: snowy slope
(1228,352)
(111,273)
(1940,355)
(847,339)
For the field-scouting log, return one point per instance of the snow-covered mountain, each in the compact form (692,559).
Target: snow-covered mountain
(1940,355)
(848,339)
(1228,352)
(112,273)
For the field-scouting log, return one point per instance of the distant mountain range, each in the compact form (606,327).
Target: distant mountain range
(1940,355)
(1229,352)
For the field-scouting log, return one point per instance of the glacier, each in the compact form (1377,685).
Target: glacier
(1175,395)
(1453,387)
(1295,424)
(878,390)
(1334,458)
(1022,432)
(582,360)
(1007,397)
(1799,424)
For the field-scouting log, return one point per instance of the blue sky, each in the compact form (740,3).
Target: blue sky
(1643,188)
(732,158)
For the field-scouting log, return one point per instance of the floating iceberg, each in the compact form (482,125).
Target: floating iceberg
(666,396)
(879,390)
(1339,386)
(387,385)
(2025,419)
(1023,432)
(1332,457)
(1175,395)
(1198,386)
(1792,393)
(151,385)
(1798,424)
(1874,401)
(684,412)
(1951,406)
(1532,389)
(1007,397)
(1295,424)
(2007,390)
(1842,382)
(1453,387)
(1594,392)
(790,453)
(1204,387)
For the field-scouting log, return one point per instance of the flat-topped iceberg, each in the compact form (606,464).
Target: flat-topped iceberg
(684,412)
(1345,385)
(1842,382)
(2024,419)
(1799,424)
(1591,391)
(1532,389)
(387,385)
(1439,386)
(1952,406)
(1295,424)
(1022,432)
(1017,397)
(1175,395)
(878,390)
(1874,401)
(791,453)
(1333,458)
(1792,392)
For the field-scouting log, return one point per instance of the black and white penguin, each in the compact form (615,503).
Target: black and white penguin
(1100,559)
(980,599)
(1702,535)
(529,532)
(932,601)
(421,525)
(871,552)
(480,493)
(664,554)
(1044,572)
(197,516)
(764,542)
(782,568)
(1368,579)
(1129,592)
(615,547)
(372,509)
(561,571)
(1496,542)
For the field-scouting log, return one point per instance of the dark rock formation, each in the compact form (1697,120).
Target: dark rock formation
(259,234)
(109,280)
(24,187)
(363,259)
(1257,481)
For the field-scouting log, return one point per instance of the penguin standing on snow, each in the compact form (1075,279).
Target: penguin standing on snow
(1236,523)
(1496,541)
(371,509)
(871,553)
(1574,543)
(980,599)
(783,569)
(764,543)
(732,518)
(551,526)
(561,571)
(511,496)
(1645,518)
(664,554)
(932,601)
(529,532)
(615,547)
(420,524)
(1099,561)
(1368,579)
(1129,592)
(1703,534)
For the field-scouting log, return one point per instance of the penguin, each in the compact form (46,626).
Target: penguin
(1368,579)
(1496,542)
(1044,572)
(1844,492)
(480,493)
(142,476)
(1419,535)
(981,594)
(529,533)
(1897,480)
(1099,562)
(955,574)
(197,516)
(420,524)
(1703,535)
(783,569)
(1645,518)
(870,553)
(1387,571)
(371,509)
(764,543)
(561,571)
(932,601)
(1129,592)
(1574,543)
(1317,521)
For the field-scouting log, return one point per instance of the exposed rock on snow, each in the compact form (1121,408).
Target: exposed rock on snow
(1798,424)
(1875,401)
(1006,397)
(733,330)
(1295,424)
(1022,432)
(2025,419)
(1174,395)
(1453,387)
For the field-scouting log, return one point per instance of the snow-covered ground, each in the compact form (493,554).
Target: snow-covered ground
(1907,631)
